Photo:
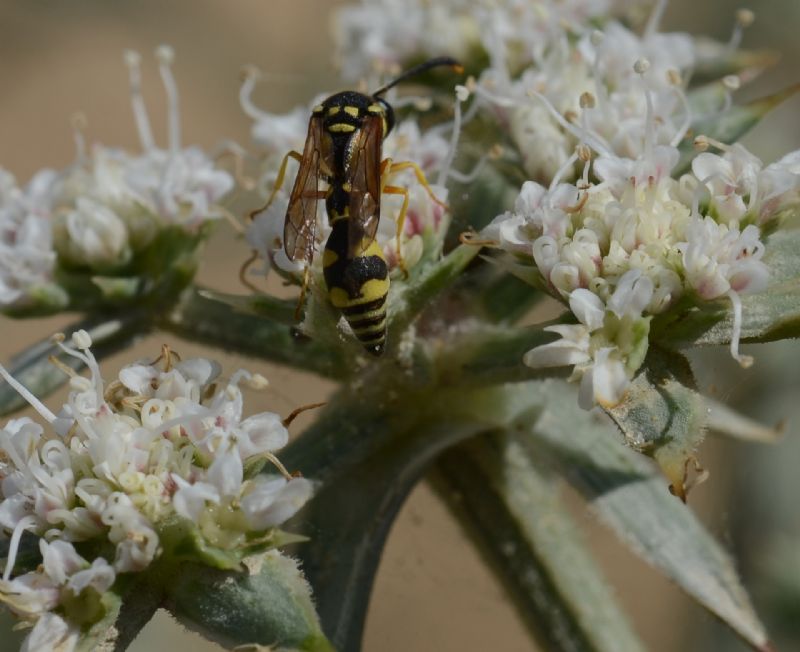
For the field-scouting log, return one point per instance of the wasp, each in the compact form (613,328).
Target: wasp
(343,150)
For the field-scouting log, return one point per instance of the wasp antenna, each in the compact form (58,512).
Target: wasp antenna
(416,70)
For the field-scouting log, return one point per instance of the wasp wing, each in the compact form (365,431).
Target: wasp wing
(301,215)
(364,176)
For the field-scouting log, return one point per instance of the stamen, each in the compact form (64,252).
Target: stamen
(78,122)
(165,56)
(744,360)
(462,95)
(565,167)
(13,546)
(675,80)
(640,67)
(83,340)
(132,60)
(595,141)
(655,18)
(25,393)
(744,18)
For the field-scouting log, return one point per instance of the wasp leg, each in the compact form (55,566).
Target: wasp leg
(401,221)
(423,181)
(297,156)
(298,311)
(243,273)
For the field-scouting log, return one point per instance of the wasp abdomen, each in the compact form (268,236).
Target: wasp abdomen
(358,285)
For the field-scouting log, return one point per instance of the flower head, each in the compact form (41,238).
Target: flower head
(122,466)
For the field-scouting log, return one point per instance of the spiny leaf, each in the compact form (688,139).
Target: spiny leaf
(724,420)
(633,501)
(511,505)
(732,124)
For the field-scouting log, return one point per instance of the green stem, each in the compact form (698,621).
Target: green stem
(204,319)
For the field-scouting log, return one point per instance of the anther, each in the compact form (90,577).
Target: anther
(701,143)
(732,82)
(674,77)
(587,100)
(745,17)
(641,66)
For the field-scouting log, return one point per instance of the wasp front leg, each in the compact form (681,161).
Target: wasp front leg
(297,156)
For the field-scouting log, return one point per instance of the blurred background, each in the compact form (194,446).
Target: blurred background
(433,591)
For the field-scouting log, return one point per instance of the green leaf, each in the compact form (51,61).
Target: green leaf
(731,125)
(633,501)
(33,369)
(512,508)
(662,417)
(767,316)
(269,604)
(715,60)
(281,311)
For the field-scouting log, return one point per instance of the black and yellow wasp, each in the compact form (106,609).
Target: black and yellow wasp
(343,149)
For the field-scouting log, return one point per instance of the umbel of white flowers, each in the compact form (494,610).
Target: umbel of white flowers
(120,464)
(99,212)
(627,247)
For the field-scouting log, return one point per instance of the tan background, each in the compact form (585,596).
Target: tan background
(432,592)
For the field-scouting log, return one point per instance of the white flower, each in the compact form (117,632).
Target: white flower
(93,234)
(180,187)
(27,258)
(271,501)
(51,634)
(718,258)
(604,352)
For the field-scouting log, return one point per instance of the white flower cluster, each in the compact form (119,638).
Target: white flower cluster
(276,134)
(379,36)
(628,247)
(122,464)
(107,206)
(26,242)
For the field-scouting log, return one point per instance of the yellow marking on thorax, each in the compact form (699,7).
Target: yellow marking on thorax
(318,108)
(341,127)
(375,108)
(347,186)
(333,110)
(352,110)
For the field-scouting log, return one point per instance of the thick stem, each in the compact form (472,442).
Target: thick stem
(216,323)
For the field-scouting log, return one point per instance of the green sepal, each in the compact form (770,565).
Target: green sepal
(101,611)
(182,540)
